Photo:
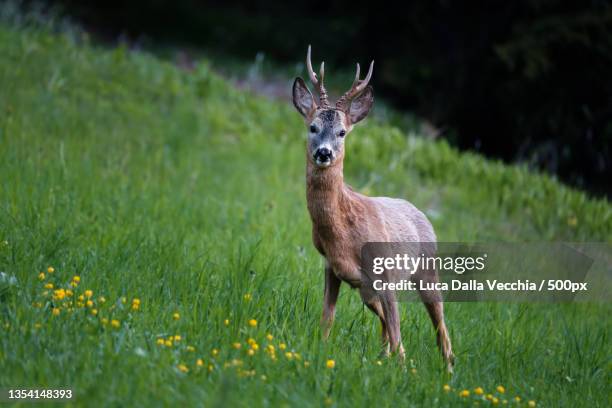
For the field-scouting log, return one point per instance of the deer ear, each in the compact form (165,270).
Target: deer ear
(360,106)
(302,98)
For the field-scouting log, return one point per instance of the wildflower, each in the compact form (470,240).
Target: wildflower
(253,323)
(489,397)
(160,342)
(88,293)
(289,356)
(270,348)
(135,306)
(517,399)
(478,391)
(494,401)
(251,352)
(41,276)
(210,368)
(55,311)
(89,303)
(115,323)
(306,364)
(168,343)
(330,364)
(263,377)
(177,337)
(215,352)
(176,316)
(501,389)
(269,337)
(251,341)
(80,298)
(446,388)
(236,345)
(199,362)
(413,371)
(76,278)
(123,299)
(74,284)
(183,368)
(59,294)
(531,403)
(102,299)
(94,312)
(69,293)
(190,349)
(226,322)
(48,285)
(464,393)
(104,321)
(328,401)
(247,297)
(50,269)
(282,346)
(378,362)
(135,301)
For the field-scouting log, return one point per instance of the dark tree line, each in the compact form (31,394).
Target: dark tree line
(523,80)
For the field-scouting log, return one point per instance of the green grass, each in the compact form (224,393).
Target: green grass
(179,190)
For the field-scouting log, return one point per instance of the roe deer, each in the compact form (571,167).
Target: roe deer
(344,220)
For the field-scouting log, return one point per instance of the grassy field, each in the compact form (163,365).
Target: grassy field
(179,204)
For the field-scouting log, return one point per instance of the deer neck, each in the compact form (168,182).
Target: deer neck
(327,197)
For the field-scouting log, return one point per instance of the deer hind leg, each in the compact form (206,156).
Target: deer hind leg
(330,296)
(375,306)
(436,313)
(391,314)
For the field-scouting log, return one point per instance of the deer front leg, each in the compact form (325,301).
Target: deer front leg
(391,313)
(375,306)
(330,296)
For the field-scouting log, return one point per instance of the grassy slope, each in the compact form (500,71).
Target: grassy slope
(174,188)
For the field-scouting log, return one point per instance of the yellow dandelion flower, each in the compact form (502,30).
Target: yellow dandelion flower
(102,299)
(494,401)
(69,293)
(531,403)
(236,345)
(253,323)
(88,293)
(81,298)
(183,368)
(94,312)
(255,346)
(269,337)
(464,393)
(89,303)
(210,368)
(50,269)
(215,352)
(104,321)
(378,362)
(251,341)
(282,346)
(160,342)
(489,397)
(48,285)
(74,284)
(135,301)
(199,362)
(176,316)
(59,294)
(56,311)
(270,348)
(191,349)
(251,352)
(517,399)
(76,278)
(330,364)
(247,297)
(289,355)
(501,389)
(413,371)
(226,322)
(446,388)
(177,337)
(478,391)
(306,364)
(115,323)
(41,276)
(168,343)
(135,307)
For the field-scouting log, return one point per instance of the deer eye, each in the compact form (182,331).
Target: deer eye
(313,129)
(342,133)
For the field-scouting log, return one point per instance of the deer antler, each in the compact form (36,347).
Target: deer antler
(318,83)
(357,87)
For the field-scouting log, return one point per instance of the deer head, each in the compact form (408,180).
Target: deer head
(328,126)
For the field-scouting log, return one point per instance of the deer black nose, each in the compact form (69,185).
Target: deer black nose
(323,154)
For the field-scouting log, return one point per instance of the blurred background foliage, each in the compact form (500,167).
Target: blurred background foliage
(526,81)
